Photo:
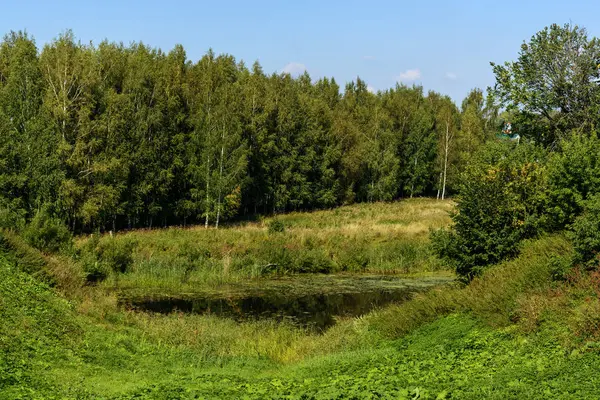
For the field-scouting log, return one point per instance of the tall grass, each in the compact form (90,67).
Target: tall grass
(390,238)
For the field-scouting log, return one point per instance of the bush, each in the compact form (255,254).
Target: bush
(276,226)
(11,216)
(502,196)
(313,261)
(573,177)
(25,257)
(94,269)
(47,234)
(585,234)
(354,255)
(101,257)
(116,255)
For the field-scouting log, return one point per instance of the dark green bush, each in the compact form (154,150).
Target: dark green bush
(278,257)
(94,269)
(12,217)
(502,196)
(47,233)
(116,254)
(573,177)
(313,261)
(18,252)
(585,234)
(102,257)
(276,226)
(561,267)
(354,256)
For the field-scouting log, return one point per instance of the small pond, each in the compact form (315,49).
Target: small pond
(313,301)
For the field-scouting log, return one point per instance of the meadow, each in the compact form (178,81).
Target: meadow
(377,238)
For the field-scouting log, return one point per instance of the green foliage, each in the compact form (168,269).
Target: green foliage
(441,344)
(501,202)
(93,268)
(561,267)
(37,331)
(11,217)
(276,226)
(586,233)
(101,257)
(21,254)
(117,255)
(374,238)
(47,233)
(553,85)
(112,136)
(573,177)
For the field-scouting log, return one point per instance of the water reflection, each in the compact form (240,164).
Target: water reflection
(316,309)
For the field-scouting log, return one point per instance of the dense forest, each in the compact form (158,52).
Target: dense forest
(110,136)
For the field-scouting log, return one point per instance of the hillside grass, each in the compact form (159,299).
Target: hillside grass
(381,238)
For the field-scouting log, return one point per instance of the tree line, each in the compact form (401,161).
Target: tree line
(110,136)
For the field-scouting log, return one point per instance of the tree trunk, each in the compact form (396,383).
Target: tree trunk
(207,189)
(412,188)
(446,148)
(439,186)
(220,177)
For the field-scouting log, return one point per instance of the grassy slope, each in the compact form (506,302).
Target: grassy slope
(37,329)
(379,238)
(511,334)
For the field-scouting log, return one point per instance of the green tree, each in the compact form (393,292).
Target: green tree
(502,199)
(553,84)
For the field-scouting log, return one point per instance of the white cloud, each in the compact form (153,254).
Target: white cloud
(371,89)
(409,75)
(294,69)
(368,57)
(452,76)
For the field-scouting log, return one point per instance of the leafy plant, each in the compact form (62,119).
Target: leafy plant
(47,233)
(585,234)
(573,177)
(276,226)
(501,201)
(117,255)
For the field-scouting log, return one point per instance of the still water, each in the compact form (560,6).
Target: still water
(314,301)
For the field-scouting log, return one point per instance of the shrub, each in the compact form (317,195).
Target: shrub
(116,254)
(561,267)
(94,269)
(47,234)
(502,195)
(25,257)
(585,233)
(313,261)
(276,226)
(101,257)
(11,216)
(573,177)
(354,256)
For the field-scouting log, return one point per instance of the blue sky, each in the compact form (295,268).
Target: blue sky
(443,45)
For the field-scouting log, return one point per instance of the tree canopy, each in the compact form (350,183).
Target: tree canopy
(111,136)
(553,87)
